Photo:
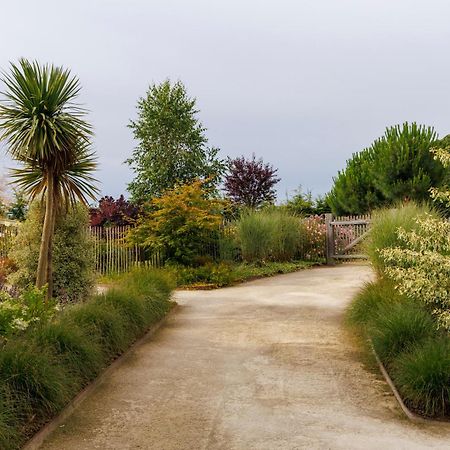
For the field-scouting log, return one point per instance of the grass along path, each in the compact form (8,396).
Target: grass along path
(262,365)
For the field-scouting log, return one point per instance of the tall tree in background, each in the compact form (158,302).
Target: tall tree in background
(398,166)
(47,133)
(250,182)
(172,146)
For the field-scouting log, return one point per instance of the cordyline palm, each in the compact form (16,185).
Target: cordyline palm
(46,131)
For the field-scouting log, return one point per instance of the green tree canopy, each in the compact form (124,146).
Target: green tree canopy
(397,166)
(172,147)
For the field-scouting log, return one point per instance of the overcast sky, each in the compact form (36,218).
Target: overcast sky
(301,83)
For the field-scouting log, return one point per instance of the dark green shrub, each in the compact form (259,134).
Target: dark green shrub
(384,229)
(398,327)
(73,258)
(422,376)
(74,346)
(396,166)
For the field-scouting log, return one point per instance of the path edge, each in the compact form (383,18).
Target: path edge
(38,439)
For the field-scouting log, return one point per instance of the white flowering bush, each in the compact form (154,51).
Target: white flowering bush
(421,269)
(442,195)
(18,313)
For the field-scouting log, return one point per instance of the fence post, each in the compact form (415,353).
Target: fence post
(329,239)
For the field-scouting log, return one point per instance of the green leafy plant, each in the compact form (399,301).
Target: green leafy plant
(73,258)
(181,223)
(30,308)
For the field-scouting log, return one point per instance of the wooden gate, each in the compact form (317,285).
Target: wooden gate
(344,236)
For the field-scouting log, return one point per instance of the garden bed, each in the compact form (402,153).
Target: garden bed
(414,355)
(44,368)
(214,276)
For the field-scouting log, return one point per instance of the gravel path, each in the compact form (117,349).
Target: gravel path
(263,365)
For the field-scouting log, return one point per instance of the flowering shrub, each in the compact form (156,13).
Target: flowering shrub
(17,314)
(314,237)
(421,270)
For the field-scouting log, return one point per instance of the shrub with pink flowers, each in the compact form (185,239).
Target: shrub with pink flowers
(314,237)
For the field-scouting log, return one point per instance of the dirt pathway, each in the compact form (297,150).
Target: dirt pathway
(264,365)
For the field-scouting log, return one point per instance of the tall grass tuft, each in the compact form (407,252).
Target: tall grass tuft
(399,327)
(385,223)
(364,307)
(268,234)
(423,377)
(9,434)
(34,377)
(73,345)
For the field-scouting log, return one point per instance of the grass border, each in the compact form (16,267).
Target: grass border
(414,417)
(38,439)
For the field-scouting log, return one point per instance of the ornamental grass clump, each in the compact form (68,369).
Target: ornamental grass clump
(384,230)
(399,327)
(423,377)
(367,302)
(270,234)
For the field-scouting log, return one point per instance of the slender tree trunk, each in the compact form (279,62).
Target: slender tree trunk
(50,252)
(41,276)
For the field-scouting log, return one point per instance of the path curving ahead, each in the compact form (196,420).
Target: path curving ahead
(263,365)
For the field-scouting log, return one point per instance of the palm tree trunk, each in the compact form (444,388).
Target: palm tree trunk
(50,253)
(41,276)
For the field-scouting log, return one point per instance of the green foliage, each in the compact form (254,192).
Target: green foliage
(73,258)
(270,234)
(420,267)
(303,204)
(214,275)
(34,376)
(172,146)
(406,339)
(44,367)
(19,206)
(397,166)
(384,229)
(17,314)
(46,132)
(70,344)
(422,376)
(399,327)
(367,302)
(181,223)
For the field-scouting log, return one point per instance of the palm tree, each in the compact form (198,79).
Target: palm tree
(45,130)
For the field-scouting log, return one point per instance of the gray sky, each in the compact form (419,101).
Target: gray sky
(301,83)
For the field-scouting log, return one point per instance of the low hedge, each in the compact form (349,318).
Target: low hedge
(415,353)
(42,369)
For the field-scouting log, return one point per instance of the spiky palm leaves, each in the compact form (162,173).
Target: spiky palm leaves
(45,130)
